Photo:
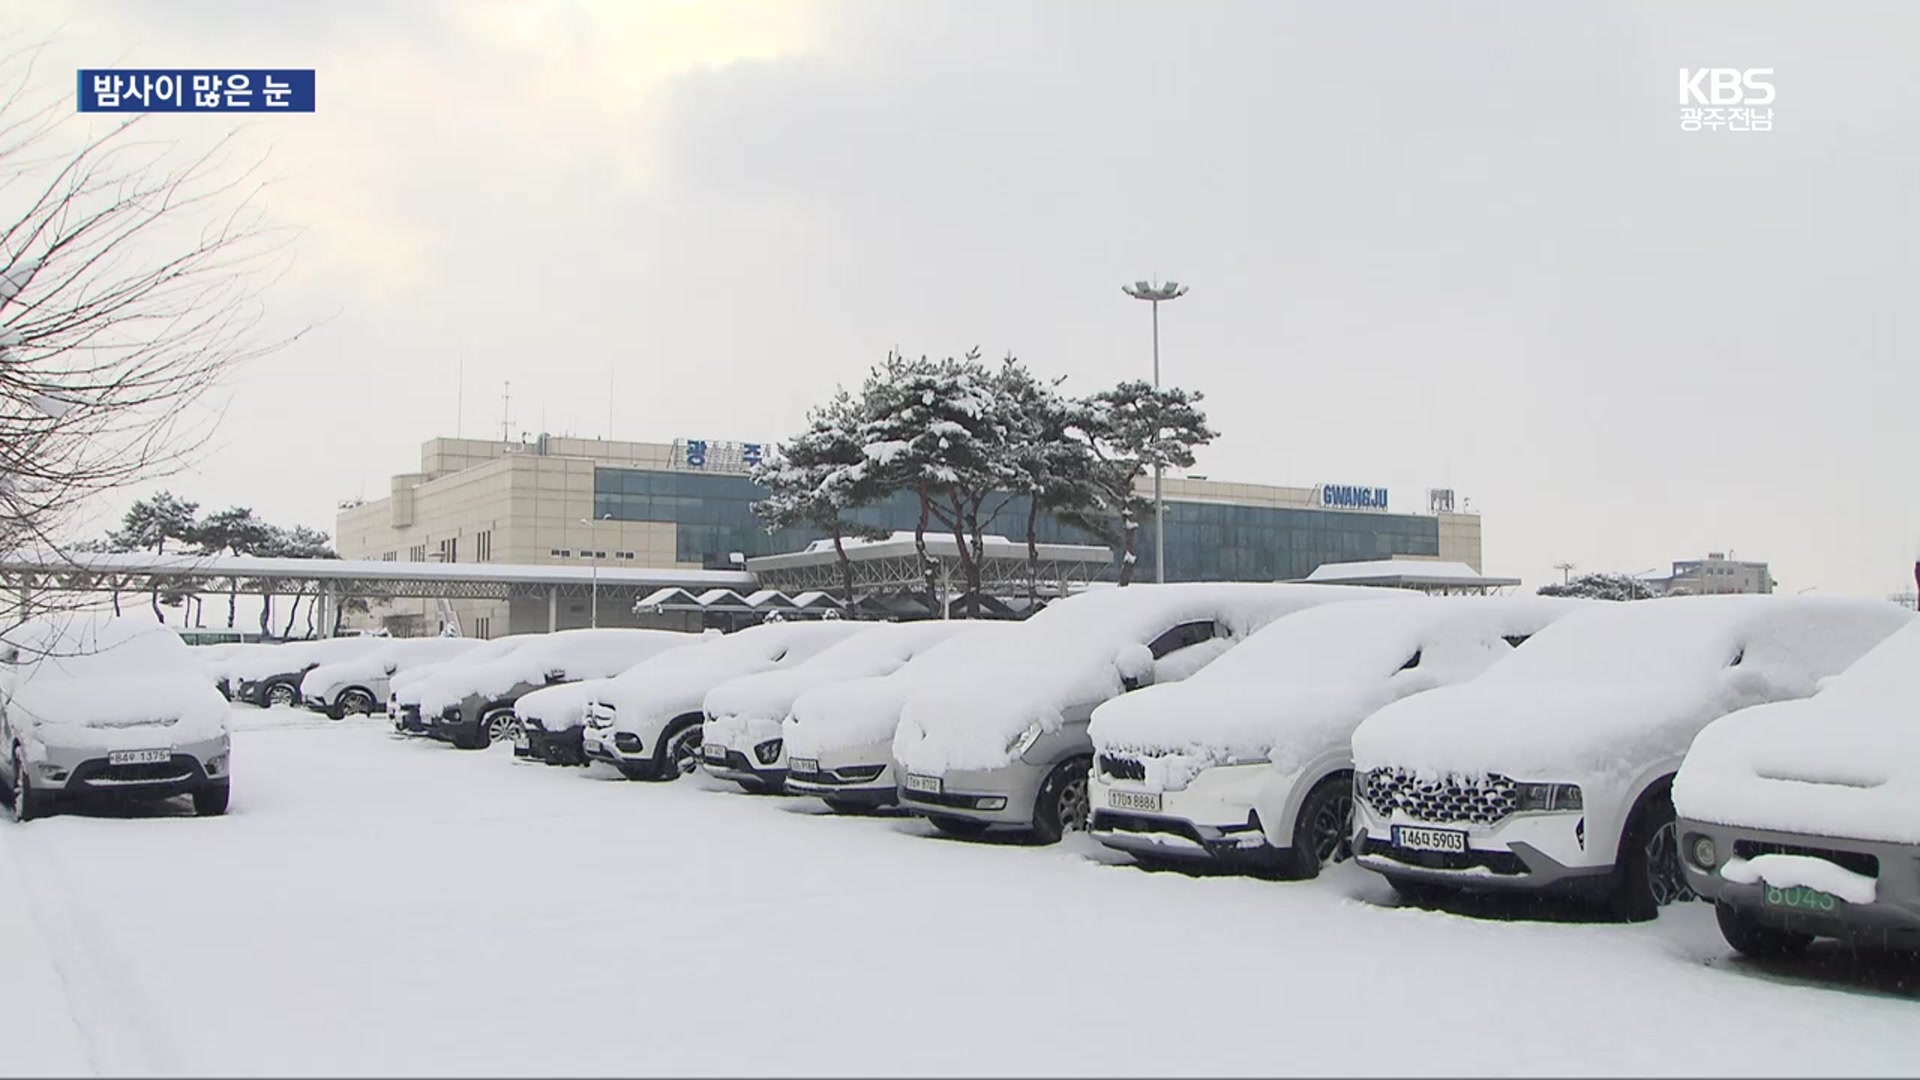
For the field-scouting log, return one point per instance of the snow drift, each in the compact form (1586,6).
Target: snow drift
(1844,763)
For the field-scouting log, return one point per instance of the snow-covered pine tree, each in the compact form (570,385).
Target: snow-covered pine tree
(819,475)
(1601,586)
(1129,429)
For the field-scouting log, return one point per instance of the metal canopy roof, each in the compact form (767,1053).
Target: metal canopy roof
(1423,574)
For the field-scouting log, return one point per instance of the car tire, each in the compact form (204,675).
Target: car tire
(1412,892)
(210,800)
(965,828)
(1647,873)
(1062,805)
(27,803)
(1323,829)
(279,692)
(1749,937)
(353,703)
(678,754)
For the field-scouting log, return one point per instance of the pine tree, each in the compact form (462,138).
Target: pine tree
(1129,430)
(1601,586)
(819,475)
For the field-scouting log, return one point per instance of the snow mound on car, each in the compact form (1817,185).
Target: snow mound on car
(566,654)
(403,654)
(664,687)
(1074,654)
(1843,763)
(103,679)
(562,707)
(858,712)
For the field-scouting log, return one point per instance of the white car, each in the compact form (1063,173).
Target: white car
(403,687)
(103,706)
(839,737)
(359,685)
(1003,740)
(1552,770)
(744,715)
(549,721)
(471,705)
(1801,819)
(1250,762)
(269,675)
(647,722)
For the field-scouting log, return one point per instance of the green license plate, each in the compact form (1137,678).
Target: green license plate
(1800,898)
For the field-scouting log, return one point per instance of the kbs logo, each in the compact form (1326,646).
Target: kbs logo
(1717,98)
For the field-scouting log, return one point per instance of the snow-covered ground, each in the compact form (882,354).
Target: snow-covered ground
(381,905)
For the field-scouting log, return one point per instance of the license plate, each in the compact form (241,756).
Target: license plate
(1134,800)
(714,753)
(139,757)
(521,742)
(1414,838)
(804,764)
(1800,898)
(916,782)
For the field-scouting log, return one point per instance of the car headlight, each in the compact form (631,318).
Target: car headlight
(217,765)
(1549,797)
(1024,741)
(768,752)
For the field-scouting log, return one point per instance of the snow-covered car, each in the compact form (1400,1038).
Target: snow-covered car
(1003,740)
(745,714)
(403,687)
(839,737)
(1250,761)
(269,675)
(1801,819)
(647,721)
(104,706)
(548,721)
(358,686)
(471,705)
(1552,771)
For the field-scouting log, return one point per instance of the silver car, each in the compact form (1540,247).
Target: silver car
(107,708)
(1003,741)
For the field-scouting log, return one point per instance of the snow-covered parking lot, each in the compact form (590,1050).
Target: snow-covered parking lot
(381,905)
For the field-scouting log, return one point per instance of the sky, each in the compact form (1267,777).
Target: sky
(1428,245)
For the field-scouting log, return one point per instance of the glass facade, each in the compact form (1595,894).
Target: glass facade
(1205,541)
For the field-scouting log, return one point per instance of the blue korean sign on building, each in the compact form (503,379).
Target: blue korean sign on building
(1349,497)
(733,457)
(196,90)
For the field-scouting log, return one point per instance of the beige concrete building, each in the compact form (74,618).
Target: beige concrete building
(688,504)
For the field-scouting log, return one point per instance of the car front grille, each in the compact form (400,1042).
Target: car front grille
(1859,862)
(849,774)
(1484,800)
(1123,768)
(180,768)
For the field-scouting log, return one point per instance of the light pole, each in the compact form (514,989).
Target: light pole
(593,552)
(1153,294)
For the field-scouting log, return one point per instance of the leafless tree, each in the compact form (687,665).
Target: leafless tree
(131,277)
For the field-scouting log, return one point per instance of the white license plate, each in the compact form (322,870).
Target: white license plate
(138,757)
(521,742)
(804,764)
(714,753)
(1414,838)
(1134,800)
(916,782)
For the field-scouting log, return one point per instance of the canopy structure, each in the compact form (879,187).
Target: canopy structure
(1425,575)
(889,570)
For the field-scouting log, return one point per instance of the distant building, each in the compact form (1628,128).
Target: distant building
(1713,575)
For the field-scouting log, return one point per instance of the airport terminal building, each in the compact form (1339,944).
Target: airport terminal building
(688,504)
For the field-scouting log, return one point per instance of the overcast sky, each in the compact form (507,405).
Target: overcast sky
(1429,244)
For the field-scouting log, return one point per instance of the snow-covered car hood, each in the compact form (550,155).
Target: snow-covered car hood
(857,712)
(652,693)
(261,660)
(1186,727)
(110,683)
(566,656)
(559,708)
(389,660)
(1617,688)
(1073,656)
(1843,763)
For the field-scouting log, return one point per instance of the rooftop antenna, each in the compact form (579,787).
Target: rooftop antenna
(506,402)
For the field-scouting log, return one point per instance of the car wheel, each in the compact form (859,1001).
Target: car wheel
(1323,831)
(1750,938)
(678,754)
(1062,805)
(27,803)
(280,694)
(211,800)
(956,826)
(1648,875)
(497,726)
(353,703)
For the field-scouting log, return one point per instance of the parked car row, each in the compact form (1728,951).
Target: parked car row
(1517,744)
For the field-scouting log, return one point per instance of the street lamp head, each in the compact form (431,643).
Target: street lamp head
(1144,290)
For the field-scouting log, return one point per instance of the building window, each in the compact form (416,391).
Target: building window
(389,556)
(561,553)
(623,554)
(483,627)
(417,553)
(450,550)
(483,545)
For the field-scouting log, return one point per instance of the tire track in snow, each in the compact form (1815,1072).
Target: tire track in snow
(104,1029)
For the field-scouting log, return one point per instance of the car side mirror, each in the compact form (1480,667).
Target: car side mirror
(1134,661)
(556,675)
(391,668)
